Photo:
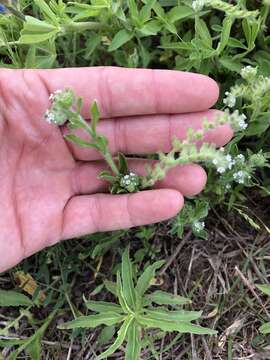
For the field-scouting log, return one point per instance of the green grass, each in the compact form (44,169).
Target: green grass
(218,267)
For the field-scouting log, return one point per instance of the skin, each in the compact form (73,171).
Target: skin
(49,188)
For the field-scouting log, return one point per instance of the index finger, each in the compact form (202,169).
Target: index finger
(127,92)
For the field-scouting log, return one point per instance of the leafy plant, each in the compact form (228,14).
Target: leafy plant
(122,180)
(137,311)
(265,288)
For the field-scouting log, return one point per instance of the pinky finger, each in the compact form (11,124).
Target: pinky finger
(102,212)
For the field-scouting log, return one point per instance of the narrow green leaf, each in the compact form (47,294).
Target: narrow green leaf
(46,10)
(106,318)
(225,34)
(259,126)
(164,298)
(133,9)
(120,38)
(181,315)
(79,141)
(265,328)
(120,295)
(127,280)
(36,31)
(182,327)
(179,12)
(107,176)
(144,280)
(265,288)
(13,298)
(145,12)
(32,344)
(106,335)
(202,31)
(102,306)
(134,342)
(123,166)
(111,287)
(151,28)
(95,115)
(121,335)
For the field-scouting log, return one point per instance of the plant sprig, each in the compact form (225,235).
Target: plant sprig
(66,107)
(136,311)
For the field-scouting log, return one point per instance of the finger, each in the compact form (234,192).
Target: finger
(94,213)
(188,179)
(124,92)
(149,134)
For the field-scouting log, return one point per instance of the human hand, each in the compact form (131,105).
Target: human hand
(50,189)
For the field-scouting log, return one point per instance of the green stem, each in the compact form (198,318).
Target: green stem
(108,158)
(81,26)
(107,155)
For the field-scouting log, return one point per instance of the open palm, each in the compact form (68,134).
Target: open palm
(50,189)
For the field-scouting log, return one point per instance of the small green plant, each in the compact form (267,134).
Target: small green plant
(137,311)
(265,328)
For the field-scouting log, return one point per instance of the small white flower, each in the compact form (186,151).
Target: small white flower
(198,5)
(199,225)
(229,100)
(215,161)
(240,157)
(238,121)
(228,186)
(221,170)
(240,176)
(248,72)
(54,94)
(50,117)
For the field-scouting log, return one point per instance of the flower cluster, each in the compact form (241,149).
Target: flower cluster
(223,163)
(130,182)
(253,90)
(198,5)
(229,100)
(198,226)
(241,176)
(249,73)
(61,101)
(238,121)
(230,9)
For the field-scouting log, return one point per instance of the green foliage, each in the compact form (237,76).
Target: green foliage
(265,328)
(136,311)
(13,298)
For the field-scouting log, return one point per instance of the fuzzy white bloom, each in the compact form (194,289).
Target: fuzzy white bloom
(228,186)
(50,117)
(198,5)
(199,225)
(221,170)
(230,161)
(54,94)
(240,157)
(240,176)
(248,72)
(229,100)
(130,181)
(223,163)
(238,121)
